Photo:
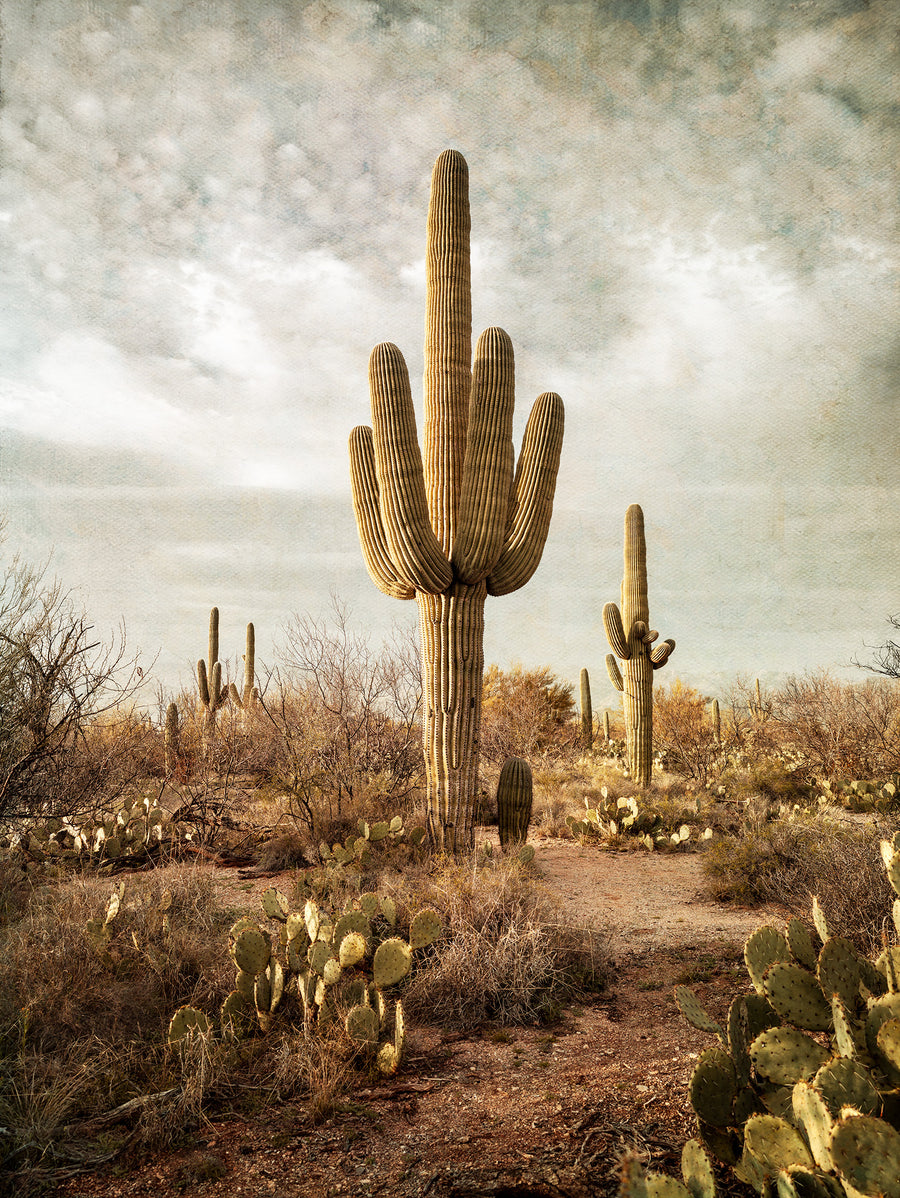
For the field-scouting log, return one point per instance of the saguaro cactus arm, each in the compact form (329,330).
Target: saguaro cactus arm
(661,654)
(615,633)
(615,674)
(369,525)
(535,484)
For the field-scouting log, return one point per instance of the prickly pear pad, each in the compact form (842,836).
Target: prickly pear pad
(762,949)
(785,1056)
(713,1087)
(424,929)
(797,996)
(392,962)
(775,1143)
(694,1013)
(866,1152)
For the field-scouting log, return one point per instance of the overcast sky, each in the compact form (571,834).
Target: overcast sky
(684,213)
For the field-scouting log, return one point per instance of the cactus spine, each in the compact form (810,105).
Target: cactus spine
(587,716)
(629,635)
(209,676)
(172,739)
(458,523)
(514,798)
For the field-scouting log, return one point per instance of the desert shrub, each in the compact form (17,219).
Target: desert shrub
(345,719)
(56,680)
(504,956)
(787,861)
(683,731)
(525,713)
(840,729)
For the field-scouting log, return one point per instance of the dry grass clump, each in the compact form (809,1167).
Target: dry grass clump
(503,957)
(786,862)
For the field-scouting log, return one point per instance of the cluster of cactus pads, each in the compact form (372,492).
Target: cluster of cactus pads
(131,832)
(613,818)
(345,862)
(861,795)
(802,1095)
(342,967)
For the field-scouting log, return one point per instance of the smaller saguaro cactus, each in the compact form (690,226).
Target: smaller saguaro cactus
(213,694)
(514,798)
(630,636)
(607,732)
(172,739)
(587,716)
(716,722)
(245,698)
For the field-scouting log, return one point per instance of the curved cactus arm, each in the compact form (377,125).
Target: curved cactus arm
(615,674)
(448,342)
(415,552)
(372,539)
(203,682)
(661,654)
(235,695)
(535,484)
(490,458)
(218,695)
(615,631)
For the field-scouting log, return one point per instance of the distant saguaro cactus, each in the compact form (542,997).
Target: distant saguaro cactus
(587,715)
(466,521)
(209,676)
(629,635)
(606,729)
(716,721)
(515,792)
(172,739)
(245,698)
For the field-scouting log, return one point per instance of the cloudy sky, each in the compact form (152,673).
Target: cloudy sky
(684,214)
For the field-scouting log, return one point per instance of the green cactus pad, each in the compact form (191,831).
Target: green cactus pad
(318,955)
(525,854)
(417,836)
(331,973)
(233,1015)
(838,970)
(814,1118)
(632,1178)
(362,1025)
(245,983)
(307,982)
(239,926)
(368,903)
(866,1153)
(888,966)
(797,996)
(424,929)
(352,949)
(399,1030)
(785,1056)
(387,1059)
(801,944)
(888,1041)
(379,831)
(391,963)
(774,1143)
(697,1170)
(775,1100)
(187,1021)
(251,951)
(389,910)
(312,917)
(658,1185)
(749,1170)
(845,1082)
(352,921)
(821,923)
(848,1034)
(763,948)
(801,1182)
(874,981)
(880,1011)
(275,904)
(713,1087)
(697,1017)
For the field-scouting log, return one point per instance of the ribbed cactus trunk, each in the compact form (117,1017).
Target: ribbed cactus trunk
(515,795)
(457,522)
(587,715)
(629,635)
(452,627)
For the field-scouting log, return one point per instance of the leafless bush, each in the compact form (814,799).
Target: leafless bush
(683,731)
(56,679)
(346,719)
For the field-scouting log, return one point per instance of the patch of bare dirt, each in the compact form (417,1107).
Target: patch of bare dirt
(543,1111)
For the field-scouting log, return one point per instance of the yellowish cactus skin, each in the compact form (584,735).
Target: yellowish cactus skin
(461,520)
(631,638)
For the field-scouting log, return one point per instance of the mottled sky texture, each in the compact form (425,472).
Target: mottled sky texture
(684,213)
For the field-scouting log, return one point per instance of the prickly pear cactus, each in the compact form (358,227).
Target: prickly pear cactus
(631,638)
(800,1097)
(514,798)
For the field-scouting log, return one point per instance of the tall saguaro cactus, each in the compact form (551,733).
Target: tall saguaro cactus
(630,637)
(587,715)
(463,520)
(244,699)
